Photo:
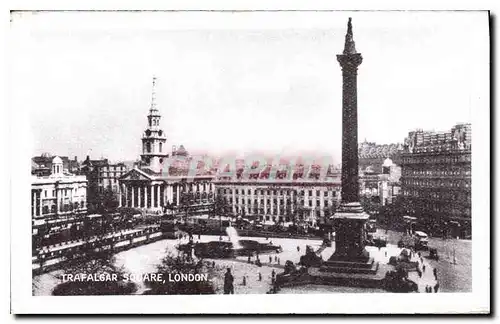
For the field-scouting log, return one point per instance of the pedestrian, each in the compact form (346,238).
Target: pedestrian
(436,287)
(228,282)
(270,259)
(273,276)
(260,276)
(199,236)
(298,248)
(244,280)
(213,264)
(435,273)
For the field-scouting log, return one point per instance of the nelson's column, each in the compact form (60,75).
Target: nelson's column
(349,221)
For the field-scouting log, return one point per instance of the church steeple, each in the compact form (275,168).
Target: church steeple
(153,139)
(153,96)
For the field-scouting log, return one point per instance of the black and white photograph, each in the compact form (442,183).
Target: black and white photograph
(332,155)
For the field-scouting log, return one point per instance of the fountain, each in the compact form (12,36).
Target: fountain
(233,237)
(223,249)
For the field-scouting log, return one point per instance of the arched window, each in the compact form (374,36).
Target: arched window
(161,146)
(148,147)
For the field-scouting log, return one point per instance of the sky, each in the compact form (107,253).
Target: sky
(240,81)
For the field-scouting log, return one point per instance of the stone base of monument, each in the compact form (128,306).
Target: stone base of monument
(323,276)
(350,265)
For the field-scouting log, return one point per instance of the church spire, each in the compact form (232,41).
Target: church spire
(349,47)
(153,95)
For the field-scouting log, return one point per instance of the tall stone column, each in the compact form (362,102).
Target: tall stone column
(349,221)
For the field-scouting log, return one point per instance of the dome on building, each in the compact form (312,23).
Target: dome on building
(181,151)
(387,163)
(57,160)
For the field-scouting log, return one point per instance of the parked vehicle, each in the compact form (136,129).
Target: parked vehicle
(433,254)
(421,240)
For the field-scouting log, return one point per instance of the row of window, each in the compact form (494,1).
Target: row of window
(446,195)
(301,215)
(274,192)
(282,202)
(111,174)
(436,183)
(115,168)
(52,209)
(463,172)
(437,159)
(66,192)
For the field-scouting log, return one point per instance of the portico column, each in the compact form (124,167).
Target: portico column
(157,204)
(39,194)
(177,202)
(146,189)
(278,207)
(120,195)
(33,204)
(139,201)
(132,198)
(126,196)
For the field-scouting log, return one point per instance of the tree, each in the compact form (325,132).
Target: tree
(185,202)
(219,208)
(101,265)
(181,265)
(107,200)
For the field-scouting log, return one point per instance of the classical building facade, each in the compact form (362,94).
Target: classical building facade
(57,197)
(273,197)
(384,186)
(162,180)
(436,178)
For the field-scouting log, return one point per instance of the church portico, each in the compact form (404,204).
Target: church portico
(153,193)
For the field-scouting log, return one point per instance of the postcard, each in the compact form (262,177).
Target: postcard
(297,161)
